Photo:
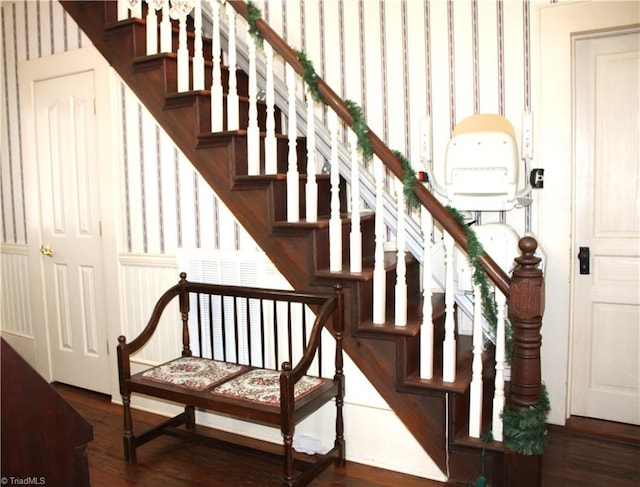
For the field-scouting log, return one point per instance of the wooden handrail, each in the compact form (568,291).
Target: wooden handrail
(380,149)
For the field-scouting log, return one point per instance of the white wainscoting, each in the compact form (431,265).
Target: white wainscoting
(143,279)
(16,323)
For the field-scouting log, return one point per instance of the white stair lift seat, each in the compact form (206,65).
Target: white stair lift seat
(498,240)
(481,168)
(501,242)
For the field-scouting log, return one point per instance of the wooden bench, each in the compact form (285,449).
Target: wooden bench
(232,340)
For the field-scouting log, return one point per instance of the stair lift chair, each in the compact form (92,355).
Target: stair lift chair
(481,171)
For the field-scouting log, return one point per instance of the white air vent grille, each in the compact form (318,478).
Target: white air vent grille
(232,268)
(229,267)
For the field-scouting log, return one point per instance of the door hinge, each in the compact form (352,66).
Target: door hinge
(108,351)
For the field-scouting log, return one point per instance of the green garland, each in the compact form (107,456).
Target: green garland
(480,279)
(524,431)
(408,181)
(361,129)
(253,15)
(309,75)
(474,252)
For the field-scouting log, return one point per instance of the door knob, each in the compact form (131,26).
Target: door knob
(583,257)
(46,250)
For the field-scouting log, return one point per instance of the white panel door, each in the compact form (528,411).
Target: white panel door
(606,324)
(71,235)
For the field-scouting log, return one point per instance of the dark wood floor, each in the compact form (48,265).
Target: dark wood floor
(592,453)
(577,455)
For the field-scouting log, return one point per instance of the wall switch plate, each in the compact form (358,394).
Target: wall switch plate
(536,178)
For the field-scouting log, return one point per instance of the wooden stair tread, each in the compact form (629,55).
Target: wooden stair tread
(464,359)
(238,132)
(390,259)
(181,98)
(322,222)
(478,443)
(463,370)
(458,386)
(122,24)
(411,329)
(346,274)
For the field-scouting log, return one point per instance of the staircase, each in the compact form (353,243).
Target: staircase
(436,411)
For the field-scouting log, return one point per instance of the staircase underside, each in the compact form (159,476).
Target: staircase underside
(388,357)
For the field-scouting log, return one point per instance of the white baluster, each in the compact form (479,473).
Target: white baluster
(475,394)
(183,56)
(217,97)
(426,330)
(198,56)
(401,264)
(123,9)
(311,189)
(449,344)
(180,10)
(152,27)
(166,35)
(355,237)
(335,222)
(498,397)
(379,273)
(293,176)
(136,9)
(270,144)
(233,113)
(253,131)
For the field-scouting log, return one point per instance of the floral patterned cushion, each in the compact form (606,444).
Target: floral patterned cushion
(193,373)
(263,386)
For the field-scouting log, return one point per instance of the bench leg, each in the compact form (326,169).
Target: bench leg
(340,432)
(190,413)
(288,459)
(128,439)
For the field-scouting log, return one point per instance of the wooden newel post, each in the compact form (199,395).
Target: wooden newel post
(526,308)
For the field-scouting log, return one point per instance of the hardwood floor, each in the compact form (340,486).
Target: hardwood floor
(589,452)
(169,462)
(585,453)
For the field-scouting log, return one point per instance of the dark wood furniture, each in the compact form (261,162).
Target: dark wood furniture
(229,326)
(44,439)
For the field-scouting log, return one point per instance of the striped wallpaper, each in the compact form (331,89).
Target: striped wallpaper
(166,204)
(400,60)
(404,59)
